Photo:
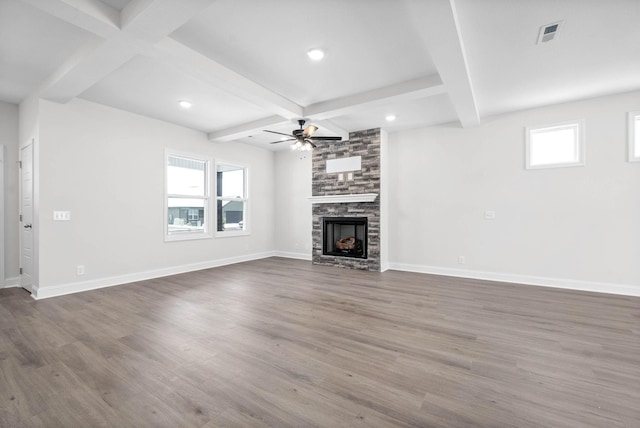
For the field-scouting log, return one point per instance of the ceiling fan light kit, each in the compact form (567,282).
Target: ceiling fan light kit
(302,138)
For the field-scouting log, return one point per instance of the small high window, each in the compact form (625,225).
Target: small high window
(232,200)
(634,136)
(187,197)
(556,145)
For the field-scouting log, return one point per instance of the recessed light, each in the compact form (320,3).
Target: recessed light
(390,118)
(184,104)
(315,54)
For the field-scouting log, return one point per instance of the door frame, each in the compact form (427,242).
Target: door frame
(3,279)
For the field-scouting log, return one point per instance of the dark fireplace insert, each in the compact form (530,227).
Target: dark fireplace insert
(344,236)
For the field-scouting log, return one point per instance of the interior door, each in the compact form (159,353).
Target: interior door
(26,214)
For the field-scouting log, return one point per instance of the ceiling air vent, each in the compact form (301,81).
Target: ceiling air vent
(549,32)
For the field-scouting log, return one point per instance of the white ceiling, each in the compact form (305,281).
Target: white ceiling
(243,64)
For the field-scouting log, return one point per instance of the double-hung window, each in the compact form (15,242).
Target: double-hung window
(231,200)
(557,145)
(187,197)
(634,136)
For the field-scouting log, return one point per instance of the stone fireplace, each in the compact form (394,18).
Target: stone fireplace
(349,199)
(344,236)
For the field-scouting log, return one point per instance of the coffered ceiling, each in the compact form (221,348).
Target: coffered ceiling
(243,63)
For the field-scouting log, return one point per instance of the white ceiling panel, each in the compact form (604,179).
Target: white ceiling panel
(153,88)
(33,45)
(596,52)
(366,43)
(410,114)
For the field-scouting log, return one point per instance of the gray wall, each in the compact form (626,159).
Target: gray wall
(97,161)
(293,209)
(575,224)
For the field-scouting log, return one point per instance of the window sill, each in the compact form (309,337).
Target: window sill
(556,165)
(187,237)
(232,233)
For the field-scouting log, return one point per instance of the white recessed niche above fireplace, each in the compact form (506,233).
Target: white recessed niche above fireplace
(353,163)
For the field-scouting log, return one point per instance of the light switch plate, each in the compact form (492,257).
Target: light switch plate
(489,215)
(62,215)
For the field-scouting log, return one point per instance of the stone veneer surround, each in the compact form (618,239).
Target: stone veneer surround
(367,145)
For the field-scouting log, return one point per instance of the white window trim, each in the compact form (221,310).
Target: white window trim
(633,132)
(247,221)
(209,208)
(580,124)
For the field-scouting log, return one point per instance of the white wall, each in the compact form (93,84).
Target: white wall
(9,138)
(293,209)
(106,166)
(574,227)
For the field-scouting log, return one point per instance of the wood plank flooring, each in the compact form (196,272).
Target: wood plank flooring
(283,343)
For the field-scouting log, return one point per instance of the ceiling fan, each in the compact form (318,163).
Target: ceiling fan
(302,137)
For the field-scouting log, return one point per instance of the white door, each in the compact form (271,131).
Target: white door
(26,212)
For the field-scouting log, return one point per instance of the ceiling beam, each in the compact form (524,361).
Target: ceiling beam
(332,128)
(93,16)
(317,113)
(152,20)
(90,64)
(145,22)
(246,129)
(414,89)
(437,23)
(213,73)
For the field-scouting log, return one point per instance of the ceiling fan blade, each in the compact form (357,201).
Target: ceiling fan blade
(310,130)
(326,138)
(283,141)
(279,133)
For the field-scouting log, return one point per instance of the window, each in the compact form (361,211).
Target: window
(187,197)
(634,136)
(232,200)
(557,145)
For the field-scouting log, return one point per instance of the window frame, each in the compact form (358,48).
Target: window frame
(578,125)
(634,136)
(245,200)
(208,207)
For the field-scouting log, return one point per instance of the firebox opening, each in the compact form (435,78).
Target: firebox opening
(345,236)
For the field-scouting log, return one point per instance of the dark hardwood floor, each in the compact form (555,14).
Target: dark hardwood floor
(283,343)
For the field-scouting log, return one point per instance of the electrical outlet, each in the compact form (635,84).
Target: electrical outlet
(462,260)
(489,215)
(80,270)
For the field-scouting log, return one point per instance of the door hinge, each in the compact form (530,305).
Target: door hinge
(19,164)
(20,217)
(20,271)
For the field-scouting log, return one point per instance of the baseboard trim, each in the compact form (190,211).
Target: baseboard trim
(11,282)
(291,255)
(569,284)
(40,292)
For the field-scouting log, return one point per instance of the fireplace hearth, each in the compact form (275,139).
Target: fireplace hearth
(345,237)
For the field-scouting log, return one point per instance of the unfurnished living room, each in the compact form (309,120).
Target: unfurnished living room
(338,213)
